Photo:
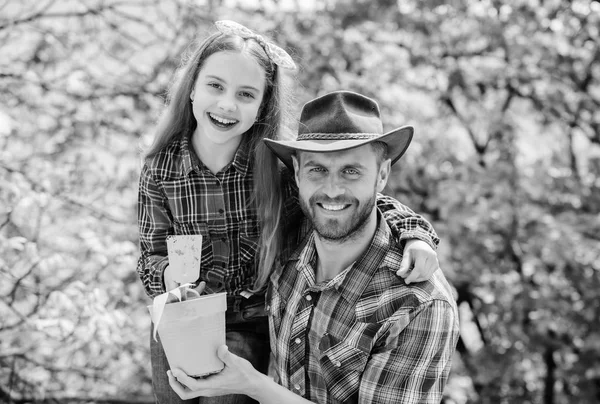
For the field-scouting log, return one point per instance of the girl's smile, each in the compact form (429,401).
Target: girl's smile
(221,122)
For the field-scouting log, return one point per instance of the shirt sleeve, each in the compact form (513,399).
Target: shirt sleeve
(405,223)
(413,364)
(155,224)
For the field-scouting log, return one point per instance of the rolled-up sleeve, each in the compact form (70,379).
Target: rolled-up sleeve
(405,223)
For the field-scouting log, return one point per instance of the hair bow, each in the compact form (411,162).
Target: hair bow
(279,56)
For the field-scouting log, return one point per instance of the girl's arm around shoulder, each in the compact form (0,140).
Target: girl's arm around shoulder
(416,237)
(405,223)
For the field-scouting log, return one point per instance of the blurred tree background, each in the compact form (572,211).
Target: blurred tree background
(505,98)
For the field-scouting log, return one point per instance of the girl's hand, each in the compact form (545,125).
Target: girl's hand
(419,256)
(238,377)
(170,283)
(186,293)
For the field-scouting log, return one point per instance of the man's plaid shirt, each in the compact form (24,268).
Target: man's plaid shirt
(179,195)
(364,336)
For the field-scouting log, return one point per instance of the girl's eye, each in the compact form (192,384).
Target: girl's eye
(246,94)
(215,85)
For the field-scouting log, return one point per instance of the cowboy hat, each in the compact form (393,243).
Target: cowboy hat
(337,121)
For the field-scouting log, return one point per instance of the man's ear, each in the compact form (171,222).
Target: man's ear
(384,174)
(296,168)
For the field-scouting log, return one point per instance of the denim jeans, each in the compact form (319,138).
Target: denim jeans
(247,335)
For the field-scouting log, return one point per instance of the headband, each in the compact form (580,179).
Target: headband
(277,55)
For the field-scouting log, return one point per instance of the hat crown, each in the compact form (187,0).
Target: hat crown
(342,113)
(340,121)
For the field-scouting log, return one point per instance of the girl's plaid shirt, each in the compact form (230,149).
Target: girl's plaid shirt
(179,195)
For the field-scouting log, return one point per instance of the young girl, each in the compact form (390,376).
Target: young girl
(208,172)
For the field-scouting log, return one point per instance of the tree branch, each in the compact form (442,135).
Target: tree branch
(36,186)
(479,148)
(13,292)
(41,15)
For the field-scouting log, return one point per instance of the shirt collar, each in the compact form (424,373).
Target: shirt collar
(365,267)
(351,282)
(307,259)
(242,158)
(189,159)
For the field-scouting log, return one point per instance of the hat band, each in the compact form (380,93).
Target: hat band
(337,136)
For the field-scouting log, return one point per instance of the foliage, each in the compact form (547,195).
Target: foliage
(505,98)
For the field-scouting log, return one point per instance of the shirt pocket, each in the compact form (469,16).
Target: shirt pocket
(342,366)
(249,235)
(201,228)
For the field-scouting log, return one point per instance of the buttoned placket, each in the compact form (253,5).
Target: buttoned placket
(297,344)
(217,226)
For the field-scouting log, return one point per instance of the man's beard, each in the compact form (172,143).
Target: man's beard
(338,230)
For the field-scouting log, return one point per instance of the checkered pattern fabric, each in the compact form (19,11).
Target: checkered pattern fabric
(364,336)
(179,195)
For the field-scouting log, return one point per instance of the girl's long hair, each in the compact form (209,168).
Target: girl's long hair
(268,194)
(178,120)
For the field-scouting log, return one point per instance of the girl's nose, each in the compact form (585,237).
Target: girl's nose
(227,104)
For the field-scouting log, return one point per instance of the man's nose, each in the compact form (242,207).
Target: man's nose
(333,186)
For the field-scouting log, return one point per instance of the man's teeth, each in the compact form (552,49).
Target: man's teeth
(333,207)
(222,120)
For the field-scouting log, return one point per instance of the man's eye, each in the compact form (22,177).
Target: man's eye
(317,170)
(351,171)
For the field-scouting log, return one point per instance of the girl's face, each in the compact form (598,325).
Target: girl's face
(226,97)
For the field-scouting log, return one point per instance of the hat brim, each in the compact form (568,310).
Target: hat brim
(397,142)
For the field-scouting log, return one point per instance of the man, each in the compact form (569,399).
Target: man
(344,327)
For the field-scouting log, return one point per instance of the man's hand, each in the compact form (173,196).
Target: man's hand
(419,257)
(238,377)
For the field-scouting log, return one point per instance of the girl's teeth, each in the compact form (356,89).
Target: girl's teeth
(222,120)
(333,207)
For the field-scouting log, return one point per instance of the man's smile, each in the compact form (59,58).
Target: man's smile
(333,207)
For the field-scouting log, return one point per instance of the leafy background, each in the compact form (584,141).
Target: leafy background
(505,96)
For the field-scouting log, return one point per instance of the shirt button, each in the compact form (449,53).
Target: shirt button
(297,386)
(221,211)
(337,364)
(308,297)
(298,340)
